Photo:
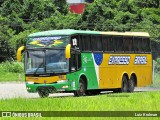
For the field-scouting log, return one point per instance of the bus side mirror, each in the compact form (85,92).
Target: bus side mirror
(68,51)
(19,53)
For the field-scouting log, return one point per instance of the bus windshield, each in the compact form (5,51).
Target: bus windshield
(46,61)
(49,42)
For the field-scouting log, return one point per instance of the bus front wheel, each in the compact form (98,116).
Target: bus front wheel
(42,92)
(81,89)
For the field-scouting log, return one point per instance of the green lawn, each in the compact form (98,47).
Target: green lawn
(11,71)
(142,101)
(137,101)
(10,77)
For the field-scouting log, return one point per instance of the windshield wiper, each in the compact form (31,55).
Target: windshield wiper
(38,67)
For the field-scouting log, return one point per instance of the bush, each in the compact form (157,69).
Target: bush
(157,65)
(14,67)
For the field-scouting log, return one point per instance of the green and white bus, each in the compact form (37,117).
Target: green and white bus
(86,62)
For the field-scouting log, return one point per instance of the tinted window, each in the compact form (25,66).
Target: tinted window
(138,44)
(96,43)
(128,44)
(85,42)
(75,61)
(146,45)
(118,43)
(108,43)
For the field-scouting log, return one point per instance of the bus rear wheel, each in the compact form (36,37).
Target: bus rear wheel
(131,84)
(81,89)
(124,87)
(43,92)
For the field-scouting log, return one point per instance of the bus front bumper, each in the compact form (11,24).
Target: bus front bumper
(52,88)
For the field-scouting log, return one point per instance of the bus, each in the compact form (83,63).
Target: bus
(86,62)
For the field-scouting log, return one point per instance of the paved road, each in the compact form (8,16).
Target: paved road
(18,89)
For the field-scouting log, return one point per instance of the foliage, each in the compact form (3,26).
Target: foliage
(20,12)
(11,71)
(11,77)
(14,67)
(18,18)
(156,78)
(157,65)
(6,34)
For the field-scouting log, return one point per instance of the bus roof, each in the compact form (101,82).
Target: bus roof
(72,31)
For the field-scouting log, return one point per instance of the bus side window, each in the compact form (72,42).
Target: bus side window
(107,42)
(104,42)
(134,44)
(96,43)
(73,62)
(146,45)
(128,44)
(85,42)
(118,40)
(138,44)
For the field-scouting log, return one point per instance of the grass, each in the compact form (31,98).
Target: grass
(138,101)
(143,101)
(11,71)
(10,77)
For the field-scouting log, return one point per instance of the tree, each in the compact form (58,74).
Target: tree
(21,12)
(21,17)
(6,33)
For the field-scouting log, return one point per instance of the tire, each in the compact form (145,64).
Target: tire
(81,89)
(124,85)
(131,84)
(43,92)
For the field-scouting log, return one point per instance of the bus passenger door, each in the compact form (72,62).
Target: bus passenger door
(75,65)
(75,61)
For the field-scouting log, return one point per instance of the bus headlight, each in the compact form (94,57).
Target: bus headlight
(65,86)
(61,81)
(30,82)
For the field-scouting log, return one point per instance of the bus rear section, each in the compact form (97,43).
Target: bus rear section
(128,70)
